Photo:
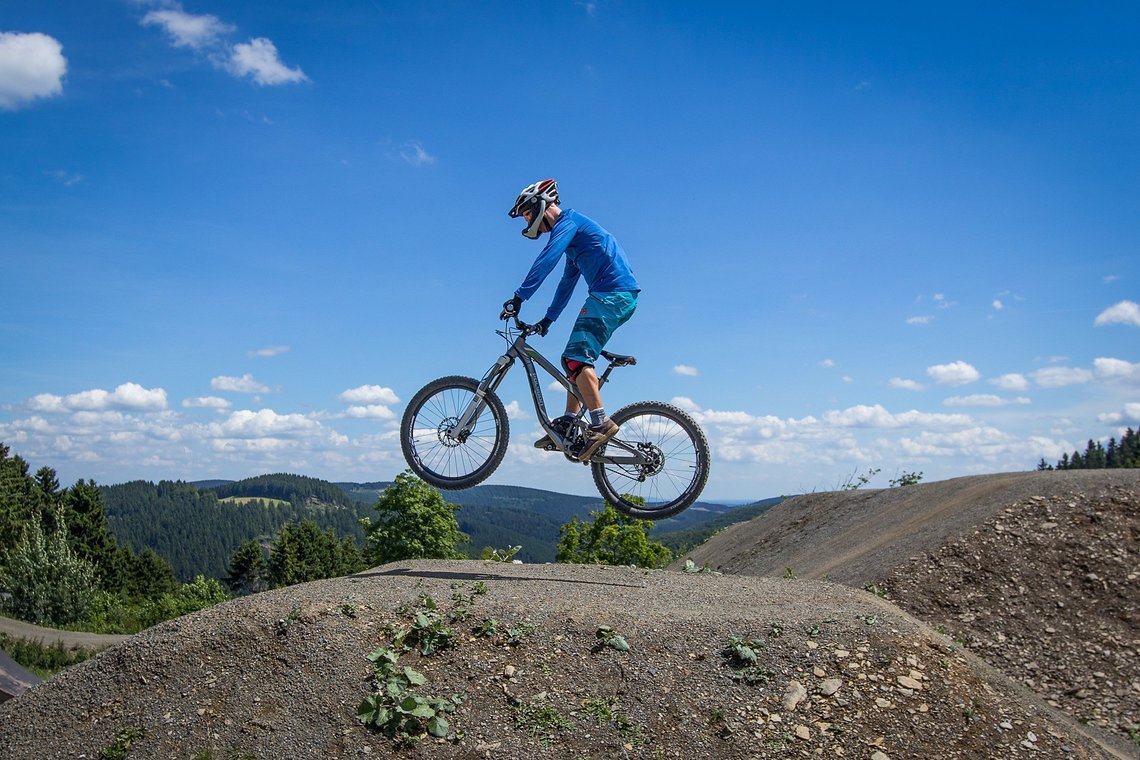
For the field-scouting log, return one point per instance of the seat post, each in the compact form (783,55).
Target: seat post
(605,375)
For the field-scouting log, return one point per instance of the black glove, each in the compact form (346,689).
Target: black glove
(543,326)
(511,307)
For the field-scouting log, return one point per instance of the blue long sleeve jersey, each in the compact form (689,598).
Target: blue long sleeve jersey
(591,252)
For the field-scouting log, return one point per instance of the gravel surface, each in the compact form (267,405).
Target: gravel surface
(838,672)
(1037,572)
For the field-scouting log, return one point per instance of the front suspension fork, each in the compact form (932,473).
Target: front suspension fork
(488,384)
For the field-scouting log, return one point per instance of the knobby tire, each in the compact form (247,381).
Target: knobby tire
(451,464)
(668,489)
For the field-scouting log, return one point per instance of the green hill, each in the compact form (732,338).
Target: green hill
(197,532)
(198,526)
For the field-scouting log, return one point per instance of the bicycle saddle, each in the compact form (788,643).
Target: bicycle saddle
(618,360)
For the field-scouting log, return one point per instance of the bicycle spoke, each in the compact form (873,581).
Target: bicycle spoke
(430,430)
(671,462)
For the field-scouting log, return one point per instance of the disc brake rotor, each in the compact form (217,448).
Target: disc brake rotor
(655,459)
(443,432)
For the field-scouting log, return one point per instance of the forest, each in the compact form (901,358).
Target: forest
(197,532)
(62,565)
(100,559)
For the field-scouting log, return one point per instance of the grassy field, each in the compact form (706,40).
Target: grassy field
(247,499)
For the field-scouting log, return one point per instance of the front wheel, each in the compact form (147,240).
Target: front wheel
(674,462)
(435,452)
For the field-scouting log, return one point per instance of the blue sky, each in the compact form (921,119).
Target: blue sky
(237,238)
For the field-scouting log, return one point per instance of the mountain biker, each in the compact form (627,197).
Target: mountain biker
(593,254)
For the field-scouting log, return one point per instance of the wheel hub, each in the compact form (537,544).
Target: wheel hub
(444,430)
(654,459)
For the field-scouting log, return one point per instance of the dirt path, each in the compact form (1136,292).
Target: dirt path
(48,636)
(834,671)
(858,537)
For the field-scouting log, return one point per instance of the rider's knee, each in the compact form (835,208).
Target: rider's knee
(573,368)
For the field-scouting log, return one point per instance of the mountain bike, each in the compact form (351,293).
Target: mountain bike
(454,434)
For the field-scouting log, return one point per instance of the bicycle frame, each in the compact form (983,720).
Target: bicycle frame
(520,350)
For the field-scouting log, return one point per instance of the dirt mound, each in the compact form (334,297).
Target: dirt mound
(538,672)
(1036,572)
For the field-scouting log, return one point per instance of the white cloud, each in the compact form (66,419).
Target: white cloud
(515,411)
(941,302)
(1123,313)
(1011,382)
(1059,377)
(188,30)
(258,59)
(269,351)
(827,364)
(414,154)
(684,370)
(1131,414)
(31,66)
(369,394)
(1114,370)
(955,373)
(265,422)
(1110,278)
(983,442)
(924,320)
(984,399)
(997,304)
(267,435)
(206,402)
(243,384)
(65,178)
(206,34)
(370,402)
(905,384)
(878,417)
(370,412)
(126,396)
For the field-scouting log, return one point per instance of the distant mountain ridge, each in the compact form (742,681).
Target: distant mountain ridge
(198,532)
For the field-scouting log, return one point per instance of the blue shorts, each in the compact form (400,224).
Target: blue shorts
(600,316)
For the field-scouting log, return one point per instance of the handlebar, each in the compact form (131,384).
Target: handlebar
(521,326)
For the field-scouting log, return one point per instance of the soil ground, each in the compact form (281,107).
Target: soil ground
(1036,572)
(838,671)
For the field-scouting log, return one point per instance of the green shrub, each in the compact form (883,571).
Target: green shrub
(48,583)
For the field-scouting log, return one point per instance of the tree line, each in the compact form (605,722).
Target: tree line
(1097,456)
(197,532)
(62,565)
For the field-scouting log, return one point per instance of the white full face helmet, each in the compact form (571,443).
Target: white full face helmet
(535,198)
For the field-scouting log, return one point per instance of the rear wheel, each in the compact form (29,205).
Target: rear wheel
(434,453)
(675,467)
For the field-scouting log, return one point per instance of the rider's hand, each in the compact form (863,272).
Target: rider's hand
(543,326)
(511,307)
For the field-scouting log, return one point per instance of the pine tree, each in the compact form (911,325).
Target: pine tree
(145,575)
(248,570)
(302,552)
(89,538)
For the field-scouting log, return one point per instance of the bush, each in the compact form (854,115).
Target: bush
(48,584)
(199,594)
(43,660)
